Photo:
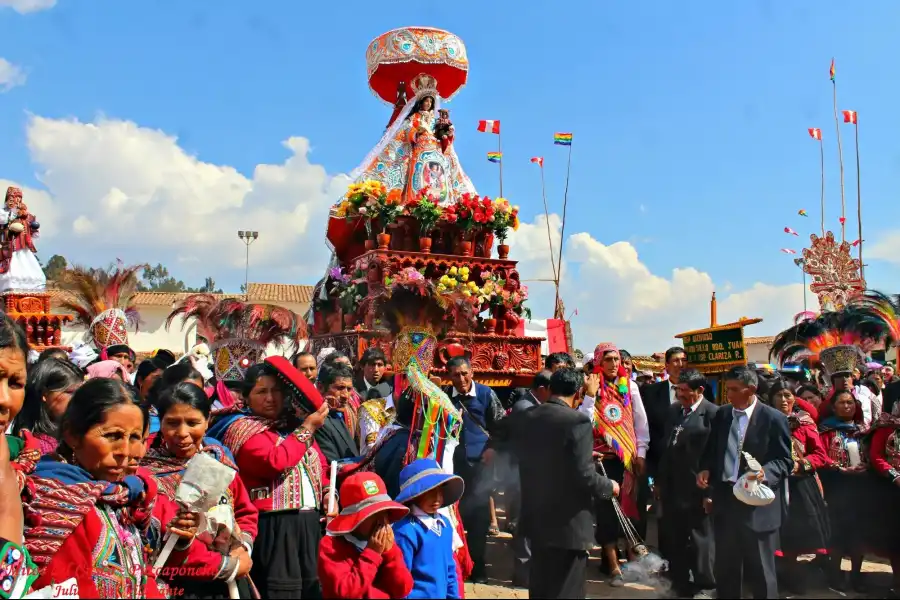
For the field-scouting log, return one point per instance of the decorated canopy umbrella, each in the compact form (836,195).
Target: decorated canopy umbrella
(400,55)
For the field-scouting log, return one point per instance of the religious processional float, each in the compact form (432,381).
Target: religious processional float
(412,234)
(23,284)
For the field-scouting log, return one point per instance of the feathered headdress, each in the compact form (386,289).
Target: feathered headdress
(238,332)
(103,302)
(839,339)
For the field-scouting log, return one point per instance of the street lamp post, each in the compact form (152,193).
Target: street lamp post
(801,262)
(248,237)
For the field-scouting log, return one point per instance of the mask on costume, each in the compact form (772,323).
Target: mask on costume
(415,345)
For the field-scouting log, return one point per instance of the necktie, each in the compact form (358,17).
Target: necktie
(732,450)
(685,413)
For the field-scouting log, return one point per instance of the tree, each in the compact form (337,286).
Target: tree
(157,279)
(209,287)
(55,267)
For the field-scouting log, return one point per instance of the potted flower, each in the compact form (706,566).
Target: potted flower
(362,201)
(389,206)
(471,213)
(348,292)
(427,211)
(506,217)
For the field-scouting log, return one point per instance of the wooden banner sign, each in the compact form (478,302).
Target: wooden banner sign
(715,347)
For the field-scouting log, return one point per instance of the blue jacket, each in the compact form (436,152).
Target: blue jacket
(478,419)
(429,557)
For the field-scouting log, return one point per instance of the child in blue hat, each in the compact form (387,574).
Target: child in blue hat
(425,536)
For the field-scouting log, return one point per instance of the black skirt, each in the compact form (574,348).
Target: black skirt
(807,527)
(608,527)
(286,553)
(862,513)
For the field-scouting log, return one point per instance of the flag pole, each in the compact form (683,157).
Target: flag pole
(862,273)
(562,232)
(840,154)
(547,217)
(822,166)
(500,152)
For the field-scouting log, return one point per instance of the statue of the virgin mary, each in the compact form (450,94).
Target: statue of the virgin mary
(409,157)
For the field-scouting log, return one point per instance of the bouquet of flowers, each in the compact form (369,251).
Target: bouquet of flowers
(370,199)
(426,210)
(506,217)
(470,212)
(348,291)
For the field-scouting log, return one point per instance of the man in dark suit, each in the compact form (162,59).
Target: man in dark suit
(746,536)
(559,485)
(525,400)
(686,535)
(372,383)
(334,439)
(481,411)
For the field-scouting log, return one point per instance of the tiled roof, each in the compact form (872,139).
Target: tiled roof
(279,292)
(760,340)
(259,292)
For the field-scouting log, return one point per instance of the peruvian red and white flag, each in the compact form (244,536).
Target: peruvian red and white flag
(538,160)
(815,133)
(791,231)
(849,116)
(489,126)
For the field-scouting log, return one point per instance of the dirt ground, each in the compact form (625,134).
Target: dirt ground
(500,562)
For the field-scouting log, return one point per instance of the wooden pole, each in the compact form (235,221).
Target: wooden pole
(562,234)
(549,235)
(862,272)
(822,166)
(841,157)
(500,151)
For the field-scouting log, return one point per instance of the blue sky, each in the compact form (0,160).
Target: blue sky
(695,111)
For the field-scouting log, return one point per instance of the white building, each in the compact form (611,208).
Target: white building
(154,308)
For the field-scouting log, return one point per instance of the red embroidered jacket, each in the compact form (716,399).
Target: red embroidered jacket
(806,439)
(266,456)
(884,452)
(345,572)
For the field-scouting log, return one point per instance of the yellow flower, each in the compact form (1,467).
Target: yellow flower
(464,271)
(453,271)
(441,287)
(444,280)
(473,285)
(515,224)
(466,293)
(451,282)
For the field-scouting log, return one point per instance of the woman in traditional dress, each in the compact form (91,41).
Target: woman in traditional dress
(85,517)
(884,457)
(286,474)
(183,413)
(806,529)
(51,384)
(19,266)
(842,435)
(24,448)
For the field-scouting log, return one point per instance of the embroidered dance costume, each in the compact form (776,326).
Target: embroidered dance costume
(807,527)
(374,415)
(287,477)
(203,573)
(615,440)
(844,490)
(92,531)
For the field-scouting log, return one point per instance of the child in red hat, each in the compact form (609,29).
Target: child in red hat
(358,558)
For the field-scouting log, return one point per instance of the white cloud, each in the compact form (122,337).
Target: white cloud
(154,202)
(28,6)
(886,248)
(10,75)
(619,299)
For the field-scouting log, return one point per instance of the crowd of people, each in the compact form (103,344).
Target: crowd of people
(329,499)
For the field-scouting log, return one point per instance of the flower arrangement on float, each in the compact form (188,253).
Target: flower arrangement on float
(349,292)
(458,307)
(426,209)
(371,200)
(505,217)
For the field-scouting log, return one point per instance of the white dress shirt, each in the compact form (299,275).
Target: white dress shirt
(641,424)
(865,397)
(431,522)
